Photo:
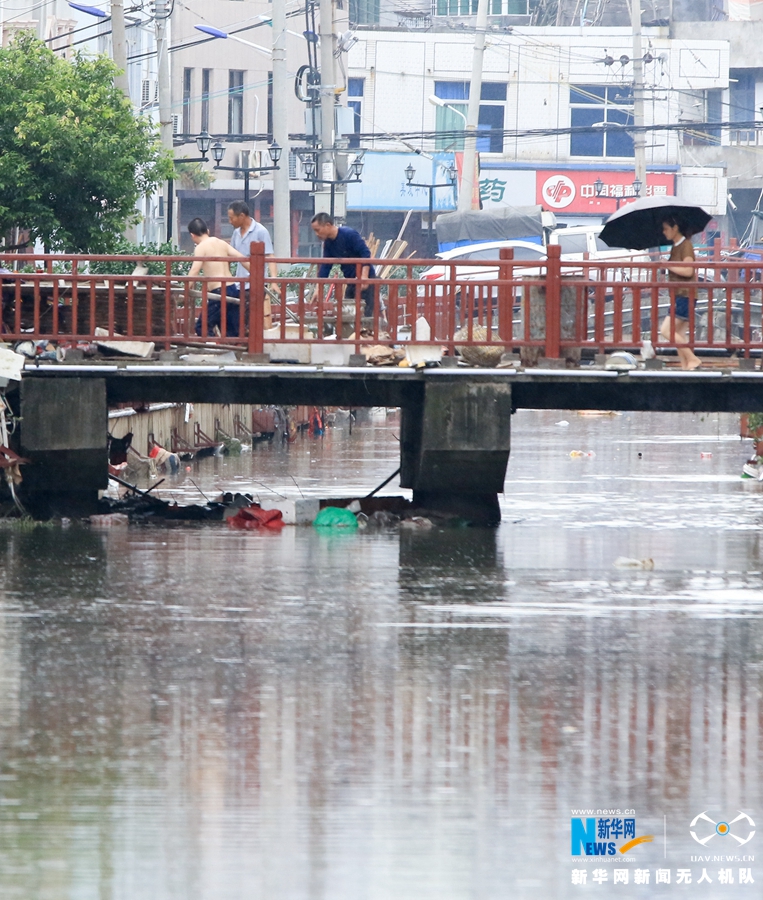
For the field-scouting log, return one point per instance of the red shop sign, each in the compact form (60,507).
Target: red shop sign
(574,191)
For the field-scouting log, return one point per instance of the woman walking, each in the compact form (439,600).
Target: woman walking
(681,252)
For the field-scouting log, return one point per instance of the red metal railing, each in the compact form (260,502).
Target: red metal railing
(550,307)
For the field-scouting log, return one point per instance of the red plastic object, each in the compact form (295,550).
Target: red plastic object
(254,517)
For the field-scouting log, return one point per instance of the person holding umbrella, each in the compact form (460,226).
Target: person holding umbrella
(652,222)
(681,252)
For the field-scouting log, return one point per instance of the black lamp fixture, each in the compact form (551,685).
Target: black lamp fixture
(218,152)
(637,185)
(204,142)
(409,173)
(452,172)
(274,151)
(357,167)
(598,186)
(308,164)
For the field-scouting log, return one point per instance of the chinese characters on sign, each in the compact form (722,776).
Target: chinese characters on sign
(574,191)
(620,190)
(662,876)
(492,190)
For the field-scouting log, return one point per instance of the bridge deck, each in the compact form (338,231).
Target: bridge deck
(727,390)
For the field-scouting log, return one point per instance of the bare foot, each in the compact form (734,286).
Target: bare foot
(693,364)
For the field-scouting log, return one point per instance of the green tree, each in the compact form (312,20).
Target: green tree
(74,159)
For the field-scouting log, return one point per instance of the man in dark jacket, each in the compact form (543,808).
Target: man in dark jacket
(340,242)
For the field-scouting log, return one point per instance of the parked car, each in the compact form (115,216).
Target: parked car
(531,256)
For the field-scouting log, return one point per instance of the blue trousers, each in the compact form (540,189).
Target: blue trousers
(214,312)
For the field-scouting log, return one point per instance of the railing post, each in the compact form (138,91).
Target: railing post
(553,301)
(505,295)
(256,296)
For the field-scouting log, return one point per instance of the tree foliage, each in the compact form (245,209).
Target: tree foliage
(74,159)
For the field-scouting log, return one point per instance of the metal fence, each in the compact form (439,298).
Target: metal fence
(550,307)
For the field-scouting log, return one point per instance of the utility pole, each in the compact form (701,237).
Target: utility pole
(165,103)
(639,138)
(473,112)
(119,46)
(281,196)
(327,171)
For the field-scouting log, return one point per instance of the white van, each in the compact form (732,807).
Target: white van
(578,240)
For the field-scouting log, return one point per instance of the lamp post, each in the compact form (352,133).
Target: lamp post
(637,185)
(410,173)
(274,151)
(438,101)
(281,197)
(118,39)
(309,165)
(203,142)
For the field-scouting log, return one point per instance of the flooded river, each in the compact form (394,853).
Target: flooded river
(194,713)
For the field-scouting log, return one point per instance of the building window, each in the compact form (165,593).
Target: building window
(742,104)
(710,111)
(187,85)
(235,101)
(491,114)
(592,106)
(206,81)
(355,88)
(457,7)
(364,12)
(495,7)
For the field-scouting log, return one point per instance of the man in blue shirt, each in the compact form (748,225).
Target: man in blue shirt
(340,242)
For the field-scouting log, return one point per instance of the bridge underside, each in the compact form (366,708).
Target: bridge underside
(455,436)
(656,391)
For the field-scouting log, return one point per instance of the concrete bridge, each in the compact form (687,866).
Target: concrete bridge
(456,422)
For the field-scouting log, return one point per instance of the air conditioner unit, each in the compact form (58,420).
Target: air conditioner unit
(149,91)
(176,124)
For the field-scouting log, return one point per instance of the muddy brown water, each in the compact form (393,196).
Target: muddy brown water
(192,712)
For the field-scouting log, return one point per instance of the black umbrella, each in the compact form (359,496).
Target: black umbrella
(638,225)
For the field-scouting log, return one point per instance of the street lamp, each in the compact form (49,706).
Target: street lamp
(357,167)
(274,151)
(217,33)
(281,193)
(204,142)
(90,10)
(410,172)
(598,187)
(438,101)
(309,167)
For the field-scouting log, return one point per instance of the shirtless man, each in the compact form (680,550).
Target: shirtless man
(206,247)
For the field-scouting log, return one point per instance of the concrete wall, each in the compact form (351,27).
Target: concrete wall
(183,417)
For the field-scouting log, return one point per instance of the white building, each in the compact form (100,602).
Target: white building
(552,103)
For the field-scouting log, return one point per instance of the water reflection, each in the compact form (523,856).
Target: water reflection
(197,713)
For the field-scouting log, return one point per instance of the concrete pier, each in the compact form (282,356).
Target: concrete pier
(454,446)
(63,433)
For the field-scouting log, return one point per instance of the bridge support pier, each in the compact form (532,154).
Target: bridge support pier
(454,446)
(63,433)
